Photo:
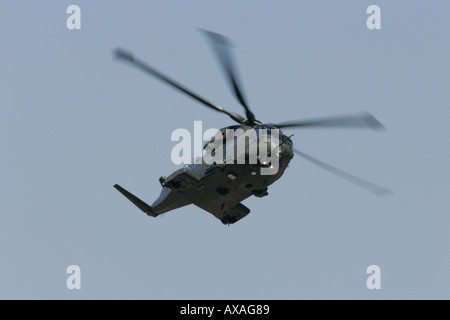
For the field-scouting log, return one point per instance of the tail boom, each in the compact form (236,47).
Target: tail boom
(137,202)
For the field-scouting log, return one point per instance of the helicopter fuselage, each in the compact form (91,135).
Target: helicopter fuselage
(221,186)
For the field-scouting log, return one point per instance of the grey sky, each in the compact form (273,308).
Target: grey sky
(73,123)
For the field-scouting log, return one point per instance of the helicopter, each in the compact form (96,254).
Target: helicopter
(219,187)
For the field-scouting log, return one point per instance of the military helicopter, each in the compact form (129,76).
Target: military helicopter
(220,187)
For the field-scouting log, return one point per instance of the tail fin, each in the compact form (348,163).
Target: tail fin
(138,202)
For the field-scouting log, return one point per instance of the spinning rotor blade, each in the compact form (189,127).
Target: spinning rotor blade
(220,45)
(362,120)
(378,190)
(128,57)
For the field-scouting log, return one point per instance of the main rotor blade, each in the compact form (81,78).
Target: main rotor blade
(378,190)
(362,120)
(128,57)
(220,45)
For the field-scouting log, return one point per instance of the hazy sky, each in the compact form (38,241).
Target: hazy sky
(74,122)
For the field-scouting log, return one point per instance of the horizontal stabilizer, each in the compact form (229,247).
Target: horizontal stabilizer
(138,202)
